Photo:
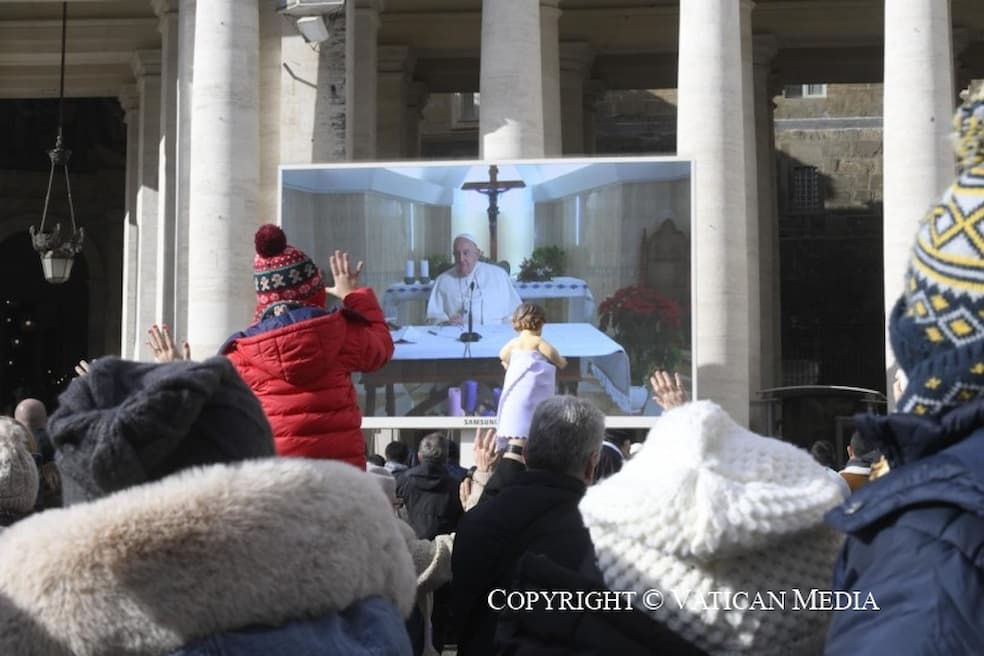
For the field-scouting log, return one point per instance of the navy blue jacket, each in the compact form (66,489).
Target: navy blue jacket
(367,628)
(916,540)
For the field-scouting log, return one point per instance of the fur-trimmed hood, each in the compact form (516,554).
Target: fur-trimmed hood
(208,550)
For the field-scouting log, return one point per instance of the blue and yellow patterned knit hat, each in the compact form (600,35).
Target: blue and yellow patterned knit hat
(937,327)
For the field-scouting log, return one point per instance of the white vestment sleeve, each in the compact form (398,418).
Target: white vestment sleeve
(437,302)
(514,301)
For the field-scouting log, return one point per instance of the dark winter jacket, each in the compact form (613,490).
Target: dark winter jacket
(503,476)
(610,460)
(537,513)
(300,367)
(916,540)
(616,628)
(431,499)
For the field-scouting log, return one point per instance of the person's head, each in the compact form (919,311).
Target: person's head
(397,451)
(19,478)
(18,430)
(285,278)
(433,449)
(31,413)
(529,316)
(127,423)
(376,459)
(823,452)
(707,504)
(565,437)
(935,327)
(385,479)
(863,448)
(466,254)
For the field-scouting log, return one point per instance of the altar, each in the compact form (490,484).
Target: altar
(432,354)
(580,307)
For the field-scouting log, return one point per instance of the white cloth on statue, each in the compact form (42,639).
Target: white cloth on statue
(493,300)
(530,379)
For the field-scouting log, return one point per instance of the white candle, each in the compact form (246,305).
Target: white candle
(424,269)
(409,268)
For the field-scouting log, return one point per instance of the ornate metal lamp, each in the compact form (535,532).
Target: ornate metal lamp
(58,252)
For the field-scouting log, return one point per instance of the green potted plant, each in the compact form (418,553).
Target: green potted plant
(648,326)
(544,263)
(438,264)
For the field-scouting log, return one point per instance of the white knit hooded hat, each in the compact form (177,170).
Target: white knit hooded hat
(708,507)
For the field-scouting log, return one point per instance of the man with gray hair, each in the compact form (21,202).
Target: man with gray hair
(537,513)
(33,414)
(428,490)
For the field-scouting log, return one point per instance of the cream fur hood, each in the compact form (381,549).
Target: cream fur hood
(208,550)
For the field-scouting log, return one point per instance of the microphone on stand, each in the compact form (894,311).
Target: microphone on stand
(471,335)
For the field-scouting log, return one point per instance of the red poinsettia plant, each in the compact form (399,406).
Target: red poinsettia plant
(648,325)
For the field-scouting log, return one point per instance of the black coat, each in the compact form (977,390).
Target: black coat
(537,513)
(431,498)
(617,629)
(504,475)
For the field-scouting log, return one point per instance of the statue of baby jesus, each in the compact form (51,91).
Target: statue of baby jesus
(531,364)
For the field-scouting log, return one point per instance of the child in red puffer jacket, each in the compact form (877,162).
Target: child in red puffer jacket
(298,358)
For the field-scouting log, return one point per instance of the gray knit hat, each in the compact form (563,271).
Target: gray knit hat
(18,473)
(127,423)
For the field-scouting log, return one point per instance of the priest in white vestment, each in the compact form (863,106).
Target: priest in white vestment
(487,286)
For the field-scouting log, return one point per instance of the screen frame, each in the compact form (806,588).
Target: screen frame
(445,422)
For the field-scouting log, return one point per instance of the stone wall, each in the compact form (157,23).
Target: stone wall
(841,136)
(639,121)
(842,100)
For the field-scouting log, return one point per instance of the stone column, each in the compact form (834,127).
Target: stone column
(167,12)
(710,129)
(270,61)
(575,65)
(769,344)
(146,65)
(751,208)
(550,73)
(313,119)
(395,70)
(918,155)
(130,102)
(361,36)
(224,172)
(186,69)
(417,96)
(511,81)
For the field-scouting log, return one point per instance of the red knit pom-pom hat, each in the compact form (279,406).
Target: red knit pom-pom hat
(285,278)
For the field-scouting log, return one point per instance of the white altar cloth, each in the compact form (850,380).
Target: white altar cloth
(600,355)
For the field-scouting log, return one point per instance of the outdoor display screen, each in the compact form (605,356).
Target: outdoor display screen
(603,245)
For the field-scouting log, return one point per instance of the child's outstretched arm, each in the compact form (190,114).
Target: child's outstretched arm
(369,340)
(552,354)
(506,352)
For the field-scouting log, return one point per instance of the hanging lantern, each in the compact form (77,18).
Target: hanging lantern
(58,251)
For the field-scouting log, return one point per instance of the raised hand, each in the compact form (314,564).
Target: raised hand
(346,279)
(464,491)
(163,347)
(82,368)
(668,391)
(484,450)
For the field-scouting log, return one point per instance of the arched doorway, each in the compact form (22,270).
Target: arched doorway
(43,327)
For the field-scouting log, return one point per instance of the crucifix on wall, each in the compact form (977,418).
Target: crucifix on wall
(492,188)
